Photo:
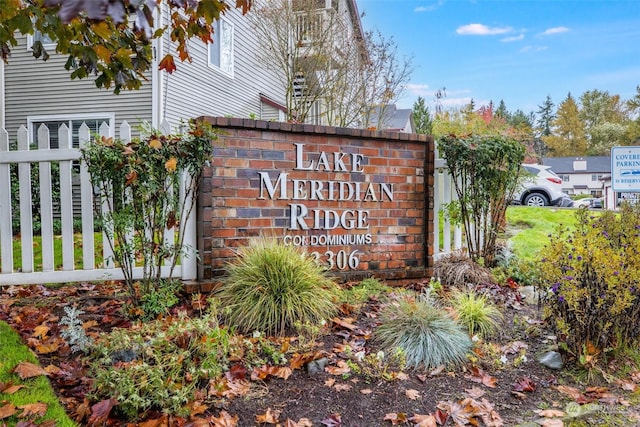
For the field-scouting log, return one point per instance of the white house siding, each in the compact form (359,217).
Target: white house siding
(196,89)
(37,88)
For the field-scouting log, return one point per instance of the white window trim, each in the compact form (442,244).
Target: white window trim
(30,39)
(69,117)
(233,46)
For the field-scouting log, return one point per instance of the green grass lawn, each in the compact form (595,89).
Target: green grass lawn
(57,251)
(528,228)
(35,390)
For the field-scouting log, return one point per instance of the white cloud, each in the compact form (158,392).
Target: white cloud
(429,8)
(554,30)
(530,48)
(513,39)
(482,30)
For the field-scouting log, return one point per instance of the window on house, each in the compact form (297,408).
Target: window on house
(596,177)
(565,178)
(73,123)
(221,50)
(46,41)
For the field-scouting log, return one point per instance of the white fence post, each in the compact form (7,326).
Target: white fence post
(46,202)
(6,232)
(444,193)
(86,191)
(66,202)
(26,216)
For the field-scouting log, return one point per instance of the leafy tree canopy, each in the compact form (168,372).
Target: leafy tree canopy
(110,39)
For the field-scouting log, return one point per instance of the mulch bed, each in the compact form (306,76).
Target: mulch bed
(511,392)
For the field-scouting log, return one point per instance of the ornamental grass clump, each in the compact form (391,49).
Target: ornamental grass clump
(424,333)
(591,283)
(271,287)
(476,313)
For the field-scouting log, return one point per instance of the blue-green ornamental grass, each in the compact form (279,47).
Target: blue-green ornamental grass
(270,287)
(427,336)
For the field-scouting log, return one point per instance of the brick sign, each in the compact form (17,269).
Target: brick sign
(356,200)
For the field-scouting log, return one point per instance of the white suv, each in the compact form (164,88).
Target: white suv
(541,187)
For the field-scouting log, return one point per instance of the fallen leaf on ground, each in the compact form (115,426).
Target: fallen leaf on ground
(342,387)
(41,331)
(224,420)
(573,392)
(479,376)
(101,410)
(33,409)
(412,394)
(10,388)
(7,410)
(28,370)
(514,347)
(525,384)
(341,368)
(423,420)
(550,413)
(269,417)
(366,391)
(48,347)
(346,323)
(303,422)
(334,420)
(396,419)
(475,392)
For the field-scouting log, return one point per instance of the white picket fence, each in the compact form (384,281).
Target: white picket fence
(48,272)
(444,192)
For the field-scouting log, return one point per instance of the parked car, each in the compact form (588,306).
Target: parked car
(583,203)
(541,187)
(596,204)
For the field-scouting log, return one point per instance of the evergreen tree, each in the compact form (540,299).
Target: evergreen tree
(567,137)
(545,117)
(502,110)
(422,117)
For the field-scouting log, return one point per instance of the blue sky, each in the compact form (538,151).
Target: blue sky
(516,50)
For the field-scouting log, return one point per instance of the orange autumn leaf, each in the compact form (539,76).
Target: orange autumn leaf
(396,419)
(47,348)
(224,420)
(7,410)
(269,417)
(28,370)
(412,394)
(171,164)
(423,420)
(10,389)
(40,331)
(168,64)
(341,369)
(33,409)
(132,176)
(155,144)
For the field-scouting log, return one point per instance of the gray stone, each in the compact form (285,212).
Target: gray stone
(317,366)
(529,294)
(552,360)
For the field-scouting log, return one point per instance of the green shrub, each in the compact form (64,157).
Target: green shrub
(424,333)
(592,282)
(138,182)
(159,365)
(476,313)
(270,287)
(160,298)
